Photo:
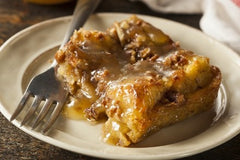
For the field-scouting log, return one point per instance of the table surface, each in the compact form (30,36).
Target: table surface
(16,15)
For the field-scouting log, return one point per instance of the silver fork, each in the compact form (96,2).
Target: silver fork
(46,86)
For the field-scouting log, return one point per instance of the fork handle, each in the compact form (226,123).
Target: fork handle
(82,11)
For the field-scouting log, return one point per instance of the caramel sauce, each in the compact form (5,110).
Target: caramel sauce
(75,108)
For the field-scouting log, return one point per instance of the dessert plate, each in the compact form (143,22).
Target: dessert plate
(31,51)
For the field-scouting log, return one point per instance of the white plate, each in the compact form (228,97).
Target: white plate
(28,52)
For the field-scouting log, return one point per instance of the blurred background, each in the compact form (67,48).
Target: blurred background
(16,15)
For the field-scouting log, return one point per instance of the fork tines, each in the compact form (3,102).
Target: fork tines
(44,87)
(29,115)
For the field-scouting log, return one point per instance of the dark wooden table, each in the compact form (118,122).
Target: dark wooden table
(16,15)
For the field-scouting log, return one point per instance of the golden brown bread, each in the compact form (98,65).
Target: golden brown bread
(135,76)
(146,120)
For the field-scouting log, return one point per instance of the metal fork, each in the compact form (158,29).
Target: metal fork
(46,86)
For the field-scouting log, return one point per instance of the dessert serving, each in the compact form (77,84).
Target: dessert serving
(135,78)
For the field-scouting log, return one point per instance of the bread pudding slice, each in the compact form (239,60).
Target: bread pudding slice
(136,78)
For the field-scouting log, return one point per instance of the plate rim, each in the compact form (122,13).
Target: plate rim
(58,143)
